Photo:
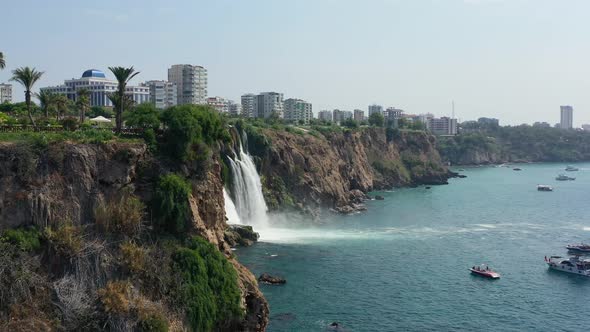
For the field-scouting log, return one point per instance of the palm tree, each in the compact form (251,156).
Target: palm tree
(83,103)
(27,77)
(61,105)
(2,62)
(123,76)
(47,101)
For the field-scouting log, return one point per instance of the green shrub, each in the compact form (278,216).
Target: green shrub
(69,124)
(209,288)
(153,323)
(26,239)
(187,126)
(143,116)
(170,203)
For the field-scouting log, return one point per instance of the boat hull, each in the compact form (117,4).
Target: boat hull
(568,269)
(485,274)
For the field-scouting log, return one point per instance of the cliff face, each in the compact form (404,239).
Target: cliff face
(65,182)
(310,171)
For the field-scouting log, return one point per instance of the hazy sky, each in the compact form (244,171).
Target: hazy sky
(516,60)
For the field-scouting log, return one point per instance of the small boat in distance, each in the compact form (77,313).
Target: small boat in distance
(543,187)
(484,271)
(573,265)
(517,169)
(562,177)
(570,168)
(578,247)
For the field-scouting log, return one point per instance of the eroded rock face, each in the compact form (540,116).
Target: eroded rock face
(335,170)
(271,280)
(64,182)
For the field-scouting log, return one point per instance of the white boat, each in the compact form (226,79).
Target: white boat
(562,177)
(573,265)
(570,168)
(543,187)
(578,247)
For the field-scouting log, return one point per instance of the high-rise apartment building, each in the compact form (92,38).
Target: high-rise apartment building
(567,117)
(233,108)
(219,104)
(267,104)
(375,109)
(296,110)
(191,82)
(442,126)
(248,105)
(163,94)
(5,93)
(359,115)
(325,116)
(100,87)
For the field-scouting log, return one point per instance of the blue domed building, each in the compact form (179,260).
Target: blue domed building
(99,86)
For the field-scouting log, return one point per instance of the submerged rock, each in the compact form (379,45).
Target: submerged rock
(240,235)
(379,198)
(271,280)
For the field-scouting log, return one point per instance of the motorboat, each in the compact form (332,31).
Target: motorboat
(578,247)
(570,168)
(563,177)
(543,187)
(573,265)
(484,271)
(517,169)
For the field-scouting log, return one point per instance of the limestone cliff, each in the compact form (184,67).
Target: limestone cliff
(311,170)
(65,182)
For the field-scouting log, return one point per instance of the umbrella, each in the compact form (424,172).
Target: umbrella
(100,118)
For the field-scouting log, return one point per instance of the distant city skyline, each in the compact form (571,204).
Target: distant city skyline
(414,55)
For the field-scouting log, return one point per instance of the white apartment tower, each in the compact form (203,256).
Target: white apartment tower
(298,110)
(5,93)
(267,104)
(248,105)
(191,82)
(163,94)
(325,115)
(567,117)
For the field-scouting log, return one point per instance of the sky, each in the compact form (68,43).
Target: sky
(516,60)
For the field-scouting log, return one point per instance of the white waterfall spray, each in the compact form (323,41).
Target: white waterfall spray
(247,189)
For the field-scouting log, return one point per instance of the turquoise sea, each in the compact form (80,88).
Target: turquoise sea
(402,265)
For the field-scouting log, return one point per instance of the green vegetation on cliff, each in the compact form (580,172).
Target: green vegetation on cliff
(516,144)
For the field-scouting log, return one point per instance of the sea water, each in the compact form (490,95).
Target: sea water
(403,264)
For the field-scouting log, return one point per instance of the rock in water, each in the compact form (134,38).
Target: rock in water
(379,198)
(271,280)
(240,235)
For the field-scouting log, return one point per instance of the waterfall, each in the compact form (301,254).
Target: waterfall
(230,209)
(247,189)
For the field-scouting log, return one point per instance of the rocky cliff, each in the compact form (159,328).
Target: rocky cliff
(64,183)
(311,170)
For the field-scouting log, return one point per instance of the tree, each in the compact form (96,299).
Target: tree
(127,103)
(2,62)
(27,77)
(83,103)
(123,76)
(143,116)
(61,105)
(46,101)
(376,119)
(349,123)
